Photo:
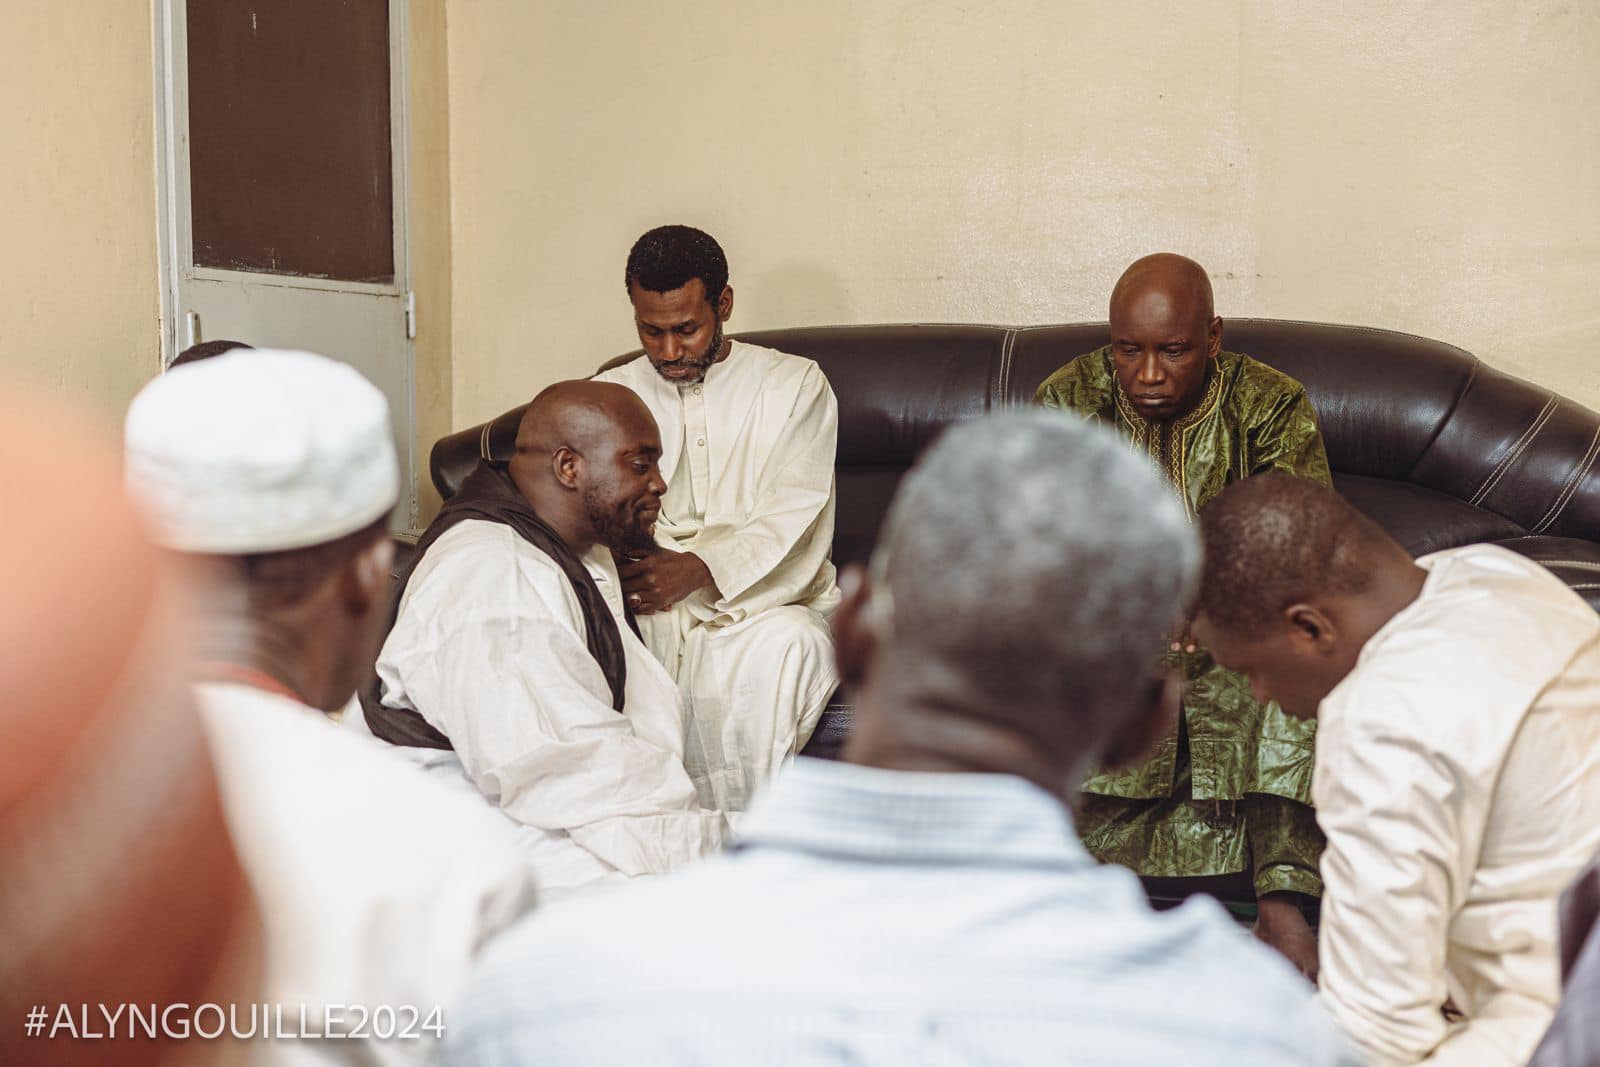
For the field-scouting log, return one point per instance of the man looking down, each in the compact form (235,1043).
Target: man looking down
(509,657)
(1224,804)
(274,474)
(733,593)
(1458,759)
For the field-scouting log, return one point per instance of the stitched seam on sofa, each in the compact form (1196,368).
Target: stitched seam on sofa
(1575,564)
(1514,451)
(483,440)
(1006,348)
(1571,488)
(1585,585)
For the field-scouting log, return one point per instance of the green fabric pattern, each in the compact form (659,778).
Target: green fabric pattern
(1230,790)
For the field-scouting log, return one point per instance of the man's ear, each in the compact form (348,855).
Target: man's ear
(855,639)
(1135,739)
(1214,338)
(564,464)
(725,304)
(1311,628)
(369,576)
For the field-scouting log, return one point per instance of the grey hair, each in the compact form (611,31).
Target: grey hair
(1042,558)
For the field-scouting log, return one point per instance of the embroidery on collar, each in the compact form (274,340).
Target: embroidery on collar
(1168,442)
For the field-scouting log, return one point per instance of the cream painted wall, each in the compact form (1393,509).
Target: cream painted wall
(79,305)
(1431,167)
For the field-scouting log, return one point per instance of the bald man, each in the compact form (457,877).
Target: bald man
(510,659)
(1223,806)
(1458,766)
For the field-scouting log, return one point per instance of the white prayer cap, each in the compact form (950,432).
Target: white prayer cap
(260,451)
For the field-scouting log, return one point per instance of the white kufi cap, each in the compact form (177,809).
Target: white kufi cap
(260,451)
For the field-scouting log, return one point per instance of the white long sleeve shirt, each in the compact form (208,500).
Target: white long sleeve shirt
(489,648)
(1458,783)
(756,442)
(377,886)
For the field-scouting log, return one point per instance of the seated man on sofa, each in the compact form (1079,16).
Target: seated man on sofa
(733,594)
(1458,763)
(1223,805)
(510,657)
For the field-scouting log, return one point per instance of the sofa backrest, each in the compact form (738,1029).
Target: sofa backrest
(1437,447)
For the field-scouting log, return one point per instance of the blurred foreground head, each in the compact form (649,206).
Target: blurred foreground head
(1027,573)
(119,881)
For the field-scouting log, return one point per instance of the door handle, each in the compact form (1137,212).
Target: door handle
(191,328)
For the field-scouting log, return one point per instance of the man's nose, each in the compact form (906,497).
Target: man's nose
(658,484)
(671,348)
(1150,372)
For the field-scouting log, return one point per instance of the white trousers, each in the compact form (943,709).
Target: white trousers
(752,693)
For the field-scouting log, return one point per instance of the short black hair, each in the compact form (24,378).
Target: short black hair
(669,257)
(1272,541)
(205,350)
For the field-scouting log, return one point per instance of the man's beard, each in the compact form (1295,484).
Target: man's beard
(700,364)
(618,528)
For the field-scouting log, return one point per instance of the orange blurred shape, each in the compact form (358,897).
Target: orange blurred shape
(118,883)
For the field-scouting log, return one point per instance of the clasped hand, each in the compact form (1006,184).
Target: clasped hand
(653,581)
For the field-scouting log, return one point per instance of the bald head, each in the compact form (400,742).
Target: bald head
(584,416)
(1164,335)
(586,456)
(1177,283)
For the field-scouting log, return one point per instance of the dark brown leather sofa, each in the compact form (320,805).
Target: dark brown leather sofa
(1437,447)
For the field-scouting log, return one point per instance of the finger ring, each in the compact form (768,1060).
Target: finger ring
(635,599)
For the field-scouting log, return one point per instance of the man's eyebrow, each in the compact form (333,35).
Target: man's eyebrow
(664,325)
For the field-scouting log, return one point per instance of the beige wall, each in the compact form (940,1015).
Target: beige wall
(79,304)
(1430,167)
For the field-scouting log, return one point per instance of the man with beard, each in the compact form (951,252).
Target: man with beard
(510,657)
(1224,804)
(733,593)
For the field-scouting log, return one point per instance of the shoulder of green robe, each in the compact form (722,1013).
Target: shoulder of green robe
(1276,418)
(1085,385)
(1254,390)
